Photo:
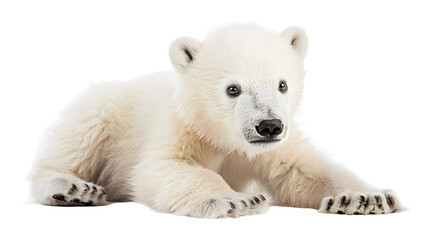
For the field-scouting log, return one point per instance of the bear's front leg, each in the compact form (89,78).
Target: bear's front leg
(181,188)
(297,175)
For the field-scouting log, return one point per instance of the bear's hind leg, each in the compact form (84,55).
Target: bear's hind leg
(68,190)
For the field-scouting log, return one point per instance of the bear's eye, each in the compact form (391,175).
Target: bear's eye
(233,91)
(282,86)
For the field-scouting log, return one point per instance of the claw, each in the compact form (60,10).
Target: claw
(86,188)
(257,200)
(330,203)
(59,197)
(343,201)
(72,189)
(390,200)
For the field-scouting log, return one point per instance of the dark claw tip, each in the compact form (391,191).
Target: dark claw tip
(340,212)
(76,200)
(58,196)
(262,197)
(390,200)
(244,203)
(377,199)
(357,213)
(232,205)
(251,202)
(330,203)
(343,200)
(72,189)
(257,200)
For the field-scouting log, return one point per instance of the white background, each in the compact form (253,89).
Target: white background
(365,102)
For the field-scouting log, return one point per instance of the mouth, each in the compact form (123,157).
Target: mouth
(265,141)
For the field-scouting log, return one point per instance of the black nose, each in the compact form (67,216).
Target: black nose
(270,128)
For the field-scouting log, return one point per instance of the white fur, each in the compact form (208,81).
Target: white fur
(178,143)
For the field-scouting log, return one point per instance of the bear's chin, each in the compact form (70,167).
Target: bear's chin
(262,146)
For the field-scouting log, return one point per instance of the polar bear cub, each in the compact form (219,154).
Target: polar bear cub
(190,141)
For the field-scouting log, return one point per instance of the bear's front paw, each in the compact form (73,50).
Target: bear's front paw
(231,205)
(361,204)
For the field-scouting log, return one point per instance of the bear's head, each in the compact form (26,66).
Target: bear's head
(241,86)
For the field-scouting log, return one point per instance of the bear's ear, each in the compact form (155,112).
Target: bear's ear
(183,52)
(297,39)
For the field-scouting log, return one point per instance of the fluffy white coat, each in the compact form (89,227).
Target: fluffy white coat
(177,142)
